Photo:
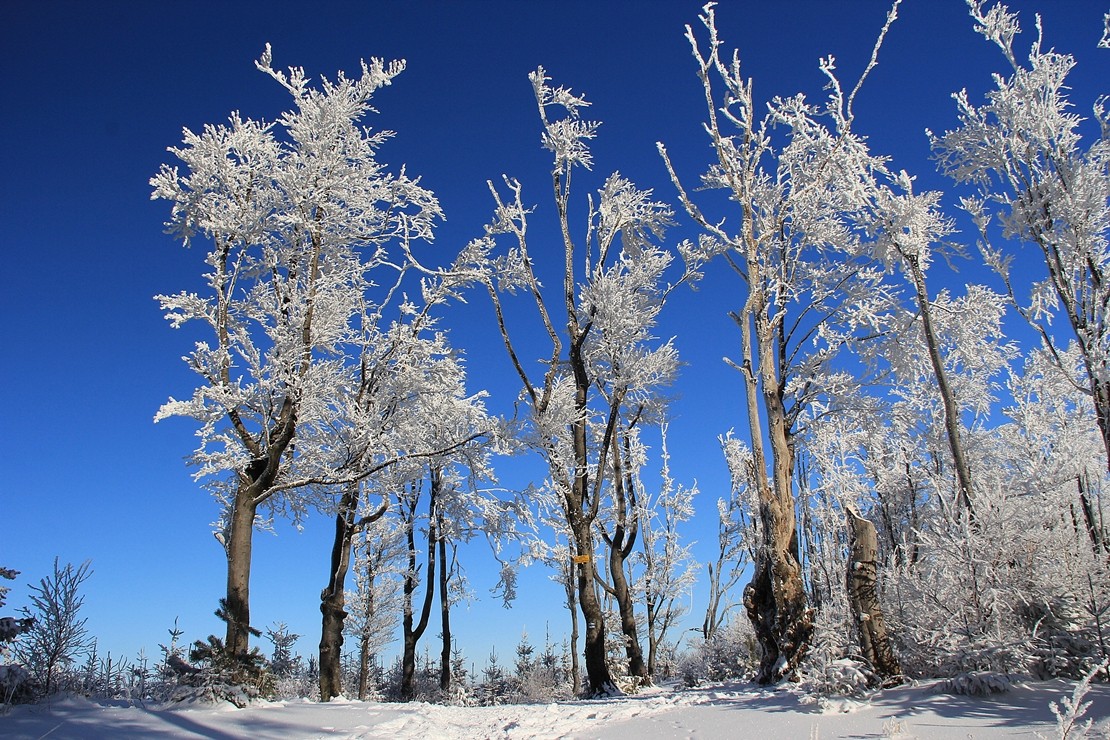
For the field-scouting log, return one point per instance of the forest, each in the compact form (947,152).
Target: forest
(918,480)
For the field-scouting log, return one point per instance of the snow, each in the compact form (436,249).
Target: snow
(718,711)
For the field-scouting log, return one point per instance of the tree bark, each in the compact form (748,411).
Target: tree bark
(254,487)
(1091,518)
(582,510)
(623,595)
(364,656)
(620,547)
(863,599)
(597,669)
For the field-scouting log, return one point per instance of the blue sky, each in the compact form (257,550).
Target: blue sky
(95,92)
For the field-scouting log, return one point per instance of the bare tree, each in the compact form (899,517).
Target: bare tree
(57,636)
(810,288)
(668,569)
(602,367)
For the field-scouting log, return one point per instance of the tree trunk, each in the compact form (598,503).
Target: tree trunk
(444,617)
(332,598)
(597,669)
(572,607)
(331,645)
(623,596)
(1091,518)
(863,599)
(368,609)
(652,606)
(948,397)
(581,509)
(775,600)
(240,538)
(254,487)
(413,632)
(364,664)
(620,547)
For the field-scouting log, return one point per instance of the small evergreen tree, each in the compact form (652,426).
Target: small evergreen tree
(283,662)
(524,661)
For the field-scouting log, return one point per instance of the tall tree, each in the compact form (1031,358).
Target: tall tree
(803,183)
(1024,153)
(601,358)
(408,404)
(909,226)
(298,215)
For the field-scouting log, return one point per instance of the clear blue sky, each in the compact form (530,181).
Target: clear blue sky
(95,92)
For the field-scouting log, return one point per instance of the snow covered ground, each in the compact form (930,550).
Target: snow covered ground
(722,711)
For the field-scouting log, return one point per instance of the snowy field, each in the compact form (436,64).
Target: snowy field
(722,711)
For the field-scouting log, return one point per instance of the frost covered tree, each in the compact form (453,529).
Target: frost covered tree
(283,661)
(802,184)
(910,228)
(302,222)
(56,636)
(664,571)
(374,603)
(602,362)
(454,510)
(407,402)
(409,497)
(1024,154)
(737,535)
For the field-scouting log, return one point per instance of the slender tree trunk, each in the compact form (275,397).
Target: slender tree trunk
(863,598)
(620,546)
(412,632)
(712,619)
(364,658)
(369,609)
(572,607)
(1091,518)
(652,606)
(948,398)
(333,597)
(444,617)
